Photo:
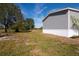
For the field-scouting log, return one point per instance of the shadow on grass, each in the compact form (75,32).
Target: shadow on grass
(74,37)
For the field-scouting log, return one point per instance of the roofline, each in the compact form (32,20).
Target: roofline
(68,8)
(54,11)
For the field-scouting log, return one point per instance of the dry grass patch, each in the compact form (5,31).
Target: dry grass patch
(35,43)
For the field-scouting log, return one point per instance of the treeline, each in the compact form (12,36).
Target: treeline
(12,18)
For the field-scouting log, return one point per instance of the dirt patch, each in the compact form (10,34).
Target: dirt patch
(7,38)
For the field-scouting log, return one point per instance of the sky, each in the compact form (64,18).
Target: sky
(38,11)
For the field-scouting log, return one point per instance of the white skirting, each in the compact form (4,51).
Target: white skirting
(61,32)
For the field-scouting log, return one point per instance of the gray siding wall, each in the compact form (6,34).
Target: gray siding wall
(56,22)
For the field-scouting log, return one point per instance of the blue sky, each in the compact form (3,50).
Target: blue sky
(38,11)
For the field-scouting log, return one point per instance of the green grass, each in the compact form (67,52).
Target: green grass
(37,44)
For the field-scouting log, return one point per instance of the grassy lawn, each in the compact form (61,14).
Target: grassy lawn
(38,44)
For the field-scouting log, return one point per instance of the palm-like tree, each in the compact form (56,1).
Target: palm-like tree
(75,23)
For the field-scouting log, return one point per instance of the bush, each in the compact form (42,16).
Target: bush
(17,30)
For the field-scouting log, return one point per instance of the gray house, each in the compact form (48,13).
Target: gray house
(62,22)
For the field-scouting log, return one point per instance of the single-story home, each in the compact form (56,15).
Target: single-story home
(62,22)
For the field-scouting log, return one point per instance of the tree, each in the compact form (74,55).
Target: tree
(29,24)
(9,15)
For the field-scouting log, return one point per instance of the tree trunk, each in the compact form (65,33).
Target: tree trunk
(6,29)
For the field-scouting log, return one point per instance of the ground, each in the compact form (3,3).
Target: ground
(36,43)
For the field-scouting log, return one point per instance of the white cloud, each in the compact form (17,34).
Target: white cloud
(38,21)
(41,10)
